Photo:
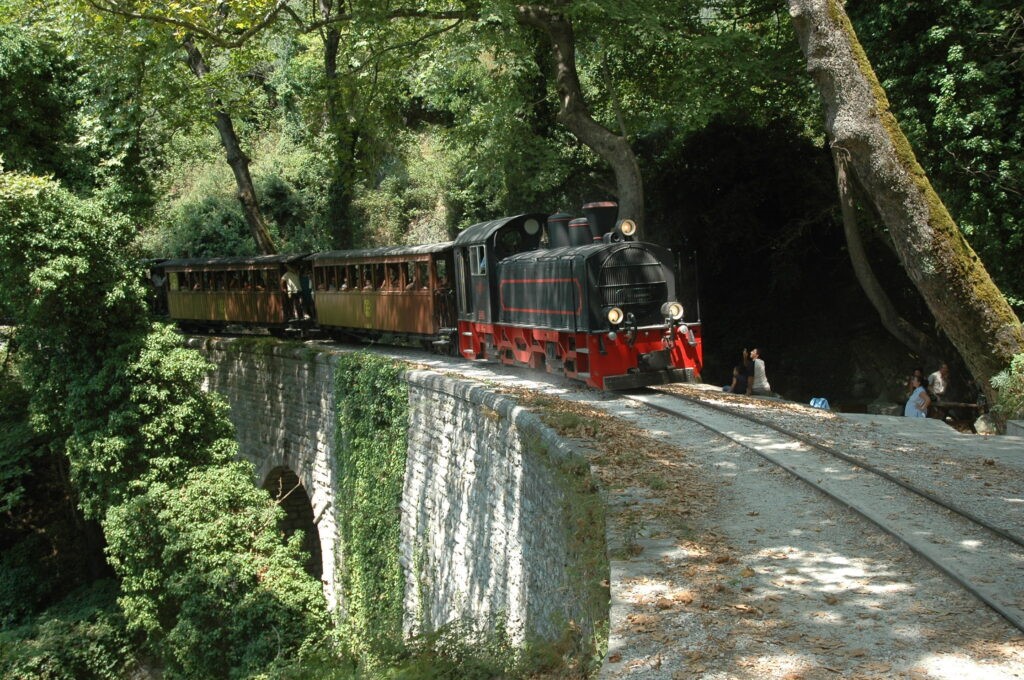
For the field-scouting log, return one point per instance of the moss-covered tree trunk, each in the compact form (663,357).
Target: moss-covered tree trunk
(946,271)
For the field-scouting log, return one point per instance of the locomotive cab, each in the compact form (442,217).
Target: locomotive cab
(478,249)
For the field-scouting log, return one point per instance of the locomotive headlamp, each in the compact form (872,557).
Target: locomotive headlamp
(615,316)
(627,227)
(672,310)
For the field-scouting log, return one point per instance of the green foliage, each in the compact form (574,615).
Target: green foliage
(158,428)
(46,543)
(83,638)
(19,447)
(502,154)
(372,404)
(214,587)
(1010,384)
(200,215)
(205,572)
(37,120)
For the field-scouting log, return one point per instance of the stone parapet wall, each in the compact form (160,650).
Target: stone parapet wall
(489,515)
(501,525)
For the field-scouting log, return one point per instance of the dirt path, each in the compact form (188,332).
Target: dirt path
(725,567)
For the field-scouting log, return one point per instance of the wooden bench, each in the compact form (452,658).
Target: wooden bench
(941,408)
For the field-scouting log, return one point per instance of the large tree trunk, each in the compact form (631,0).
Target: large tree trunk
(238,161)
(946,271)
(573,113)
(900,328)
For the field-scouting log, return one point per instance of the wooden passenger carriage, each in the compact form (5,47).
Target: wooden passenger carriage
(213,293)
(401,291)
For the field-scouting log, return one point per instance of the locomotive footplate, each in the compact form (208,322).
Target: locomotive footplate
(647,378)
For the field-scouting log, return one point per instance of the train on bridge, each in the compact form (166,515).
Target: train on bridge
(580,297)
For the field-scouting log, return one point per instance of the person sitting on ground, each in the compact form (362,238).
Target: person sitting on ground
(740,372)
(757,382)
(917,404)
(919,372)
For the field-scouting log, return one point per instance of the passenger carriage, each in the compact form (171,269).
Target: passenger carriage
(205,294)
(401,292)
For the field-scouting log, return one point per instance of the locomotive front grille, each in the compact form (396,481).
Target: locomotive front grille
(636,295)
(634,279)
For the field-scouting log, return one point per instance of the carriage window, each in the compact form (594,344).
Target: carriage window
(477,261)
(247,280)
(441,269)
(411,279)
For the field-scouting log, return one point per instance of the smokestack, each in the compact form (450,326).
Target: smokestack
(558,230)
(602,216)
(580,232)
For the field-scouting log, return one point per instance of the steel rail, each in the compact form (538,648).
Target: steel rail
(1013,615)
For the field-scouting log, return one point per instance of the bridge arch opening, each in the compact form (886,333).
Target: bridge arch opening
(287,491)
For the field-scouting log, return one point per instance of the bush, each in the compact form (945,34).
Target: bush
(213,585)
(1010,384)
(82,638)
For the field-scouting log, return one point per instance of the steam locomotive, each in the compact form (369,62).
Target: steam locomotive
(579,297)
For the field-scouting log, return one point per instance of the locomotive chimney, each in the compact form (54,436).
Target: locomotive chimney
(601,215)
(580,232)
(558,230)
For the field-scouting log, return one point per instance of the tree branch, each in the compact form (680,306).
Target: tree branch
(237,40)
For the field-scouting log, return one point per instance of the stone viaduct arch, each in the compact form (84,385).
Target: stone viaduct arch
(500,522)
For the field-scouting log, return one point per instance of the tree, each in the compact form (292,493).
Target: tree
(236,158)
(950,277)
(222,27)
(613,148)
(954,77)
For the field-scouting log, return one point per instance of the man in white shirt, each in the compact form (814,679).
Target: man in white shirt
(758,383)
(292,288)
(938,381)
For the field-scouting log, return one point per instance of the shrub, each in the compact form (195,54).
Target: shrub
(1010,384)
(84,637)
(214,586)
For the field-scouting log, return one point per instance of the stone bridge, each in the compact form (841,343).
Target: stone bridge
(490,528)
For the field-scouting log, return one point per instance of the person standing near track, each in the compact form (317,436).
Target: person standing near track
(291,286)
(758,380)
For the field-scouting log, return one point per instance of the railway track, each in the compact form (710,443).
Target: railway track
(981,556)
